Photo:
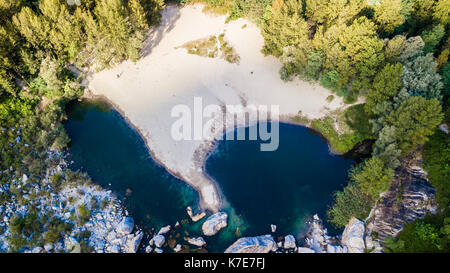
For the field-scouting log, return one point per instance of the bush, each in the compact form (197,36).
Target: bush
(339,143)
(347,203)
(436,158)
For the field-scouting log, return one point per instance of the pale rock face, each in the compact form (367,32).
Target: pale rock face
(305,250)
(259,244)
(164,230)
(126,225)
(158,250)
(353,236)
(159,241)
(197,241)
(214,223)
(289,242)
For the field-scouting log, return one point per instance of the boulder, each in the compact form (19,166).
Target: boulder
(289,242)
(148,249)
(164,230)
(334,249)
(353,236)
(159,240)
(197,241)
(158,250)
(132,244)
(126,225)
(71,244)
(305,250)
(259,244)
(214,223)
(48,247)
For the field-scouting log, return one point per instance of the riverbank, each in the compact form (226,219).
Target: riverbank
(145,92)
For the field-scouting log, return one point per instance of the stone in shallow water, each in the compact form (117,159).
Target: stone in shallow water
(273,228)
(214,223)
(164,230)
(197,241)
(289,242)
(126,225)
(159,240)
(259,244)
(177,248)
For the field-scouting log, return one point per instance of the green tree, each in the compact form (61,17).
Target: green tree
(386,147)
(441,11)
(373,178)
(432,38)
(348,203)
(421,79)
(386,85)
(412,48)
(388,14)
(415,119)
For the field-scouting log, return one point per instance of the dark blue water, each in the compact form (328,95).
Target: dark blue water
(283,187)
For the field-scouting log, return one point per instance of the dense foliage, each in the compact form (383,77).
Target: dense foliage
(39,40)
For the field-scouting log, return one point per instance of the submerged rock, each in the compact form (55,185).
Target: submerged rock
(196,217)
(214,223)
(197,241)
(259,244)
(353,236)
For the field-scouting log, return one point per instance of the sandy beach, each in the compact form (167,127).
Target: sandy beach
(166,76)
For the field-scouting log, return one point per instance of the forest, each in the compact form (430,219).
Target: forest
(391,54)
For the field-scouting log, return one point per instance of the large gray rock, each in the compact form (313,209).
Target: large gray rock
(214,223)
(164,230)
(159,240)
(353,236)
(259,244)
(197,241)
(305,250)
(126,225)
(133,243)
(289,242)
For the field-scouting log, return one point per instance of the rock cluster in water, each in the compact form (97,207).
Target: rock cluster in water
(106,226)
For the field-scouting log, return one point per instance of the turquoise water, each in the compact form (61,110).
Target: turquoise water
(284,187)
(115,156)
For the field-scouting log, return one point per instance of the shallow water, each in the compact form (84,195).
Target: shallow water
(283,187)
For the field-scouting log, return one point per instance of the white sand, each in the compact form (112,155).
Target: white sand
(147,90)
